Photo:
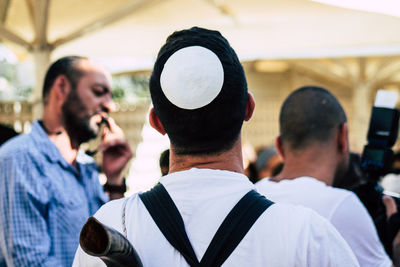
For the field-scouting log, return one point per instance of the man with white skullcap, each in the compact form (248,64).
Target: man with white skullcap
(200,99)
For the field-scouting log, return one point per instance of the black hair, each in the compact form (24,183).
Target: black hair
(164,158)
(252,172)
(310,114)
(215,127)
(63,66)
(164,162)
(6,132)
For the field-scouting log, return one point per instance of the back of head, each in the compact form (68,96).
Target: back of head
(264,154)
(164,162)
(64,66)
(310,115)
(199,92)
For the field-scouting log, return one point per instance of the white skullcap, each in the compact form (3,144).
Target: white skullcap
(192,77)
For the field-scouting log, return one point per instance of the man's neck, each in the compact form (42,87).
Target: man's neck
(61,139)
(308,163)
(230,160)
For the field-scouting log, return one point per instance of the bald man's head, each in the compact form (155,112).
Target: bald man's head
(310,115)
(67,66)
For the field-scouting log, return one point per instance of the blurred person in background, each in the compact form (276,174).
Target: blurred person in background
(249,157)
(48,186)
(269,163)
(387,222)
(391,181)
(313,143)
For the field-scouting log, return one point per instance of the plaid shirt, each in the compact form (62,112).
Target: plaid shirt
(44,201)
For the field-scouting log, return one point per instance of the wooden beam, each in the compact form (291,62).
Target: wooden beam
(388,73)
(40,17)
(29,5)
(383,65)
(4,5)
(383,82)
(361,108)
(12,37)
(126,10)
(41,57)
(394,83)
(345,67)
(320,72)
(362,69)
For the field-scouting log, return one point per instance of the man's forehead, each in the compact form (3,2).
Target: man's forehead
(88,66)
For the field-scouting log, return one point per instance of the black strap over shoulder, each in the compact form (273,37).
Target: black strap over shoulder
(228,236)
(234,227)
(168,219)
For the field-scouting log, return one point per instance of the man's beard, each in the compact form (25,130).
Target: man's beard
(77,126)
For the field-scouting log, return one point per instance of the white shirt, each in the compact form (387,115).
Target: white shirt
(284,235)
(341,207)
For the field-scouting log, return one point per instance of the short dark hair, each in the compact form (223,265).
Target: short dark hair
(164,158)
(63,66)
(6,132)
(164,162)
(310,114)
(215,127)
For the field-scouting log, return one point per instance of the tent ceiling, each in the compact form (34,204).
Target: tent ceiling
(276,29)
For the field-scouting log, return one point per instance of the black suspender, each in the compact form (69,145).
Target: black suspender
(167,217)
(232,230)
(234,227)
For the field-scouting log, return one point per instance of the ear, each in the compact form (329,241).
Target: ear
(343,141)
(61,87)
(279,147)
(155,122)
(250,106)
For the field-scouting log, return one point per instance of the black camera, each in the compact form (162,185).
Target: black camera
(377,156)
(376,161)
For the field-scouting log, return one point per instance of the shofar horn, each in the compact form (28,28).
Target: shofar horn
(112,247)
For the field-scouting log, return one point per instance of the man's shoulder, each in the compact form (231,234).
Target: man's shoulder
(335,195)
(111,213)
(301,185)
(287,212)
(291,220)
(309,192)
(297,224)
(20,145)
(16,142)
